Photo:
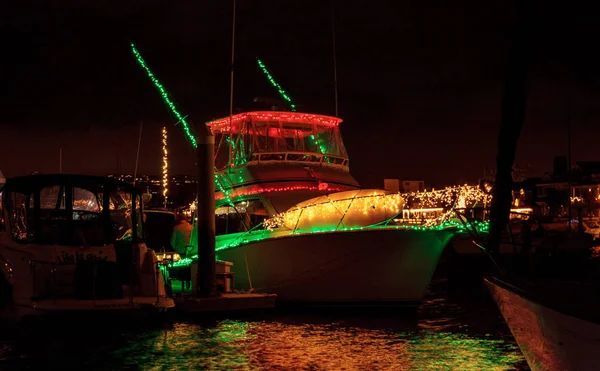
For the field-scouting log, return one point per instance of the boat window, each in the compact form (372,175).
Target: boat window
(139,224)
(268,136)
(120,213)
(274,137)
(85,200)
(82,227)
(86,206)
(21,217)
(246,215)
(59,214)
(53,216)
(49,197)
(222,150)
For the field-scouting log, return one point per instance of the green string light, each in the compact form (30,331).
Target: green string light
(245,238)
(282,92)
(180,117)
(228,200)
(320,145)
(165,96)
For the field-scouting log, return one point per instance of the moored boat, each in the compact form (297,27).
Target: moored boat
(74,243)
(555,323)
(294,222)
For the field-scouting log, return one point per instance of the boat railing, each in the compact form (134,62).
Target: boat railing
(298,157)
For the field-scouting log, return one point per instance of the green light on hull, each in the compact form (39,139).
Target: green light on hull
(225,243)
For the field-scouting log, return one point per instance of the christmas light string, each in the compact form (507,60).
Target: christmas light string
(222,125)
(464,196)
(450,199)
(468,196)
(261,190)
(165,168)
(461,197)
(276,85)
(325,209)
(165,96)
(245,238)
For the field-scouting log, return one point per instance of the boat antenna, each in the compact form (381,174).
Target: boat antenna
(335,85)
(60,160)
(231,82)
(137,156)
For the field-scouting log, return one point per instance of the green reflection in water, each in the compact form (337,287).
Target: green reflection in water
(451,351)
(237,345)
(189,346)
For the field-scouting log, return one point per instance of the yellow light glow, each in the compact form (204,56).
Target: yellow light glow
(165,169)
(459,197)
(168,256)
(378,206)
(432,209)
(343,209)
(523,210)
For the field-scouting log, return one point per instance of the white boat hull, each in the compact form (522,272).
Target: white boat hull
(38,280)
(365,267)
(549,340)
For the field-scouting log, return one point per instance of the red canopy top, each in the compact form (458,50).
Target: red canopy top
(223,125)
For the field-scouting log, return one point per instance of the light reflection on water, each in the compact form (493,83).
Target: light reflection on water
(443,335)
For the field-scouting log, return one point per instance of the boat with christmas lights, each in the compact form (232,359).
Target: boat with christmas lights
(294,221)
(74,244)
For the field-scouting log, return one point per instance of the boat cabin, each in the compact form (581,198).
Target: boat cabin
(71,210)
(268,137)
(76,237)
(267,161)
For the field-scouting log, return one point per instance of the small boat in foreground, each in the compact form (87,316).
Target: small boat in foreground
(554,316)
(555,323)
(74,244)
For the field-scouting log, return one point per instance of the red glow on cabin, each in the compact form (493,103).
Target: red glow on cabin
(305,118)
(260,189)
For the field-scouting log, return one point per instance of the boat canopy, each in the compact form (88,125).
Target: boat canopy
(69,210)
(271,136)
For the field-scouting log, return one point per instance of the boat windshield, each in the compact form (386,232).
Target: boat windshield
(245,216)
(71,215)
(290,137)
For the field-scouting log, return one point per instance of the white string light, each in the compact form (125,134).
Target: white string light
(165,169)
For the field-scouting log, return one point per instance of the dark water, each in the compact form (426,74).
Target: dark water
(454,329)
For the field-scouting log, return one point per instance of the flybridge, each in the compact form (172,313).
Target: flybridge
(271,136)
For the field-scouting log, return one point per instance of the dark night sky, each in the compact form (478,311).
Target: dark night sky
(420,82)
